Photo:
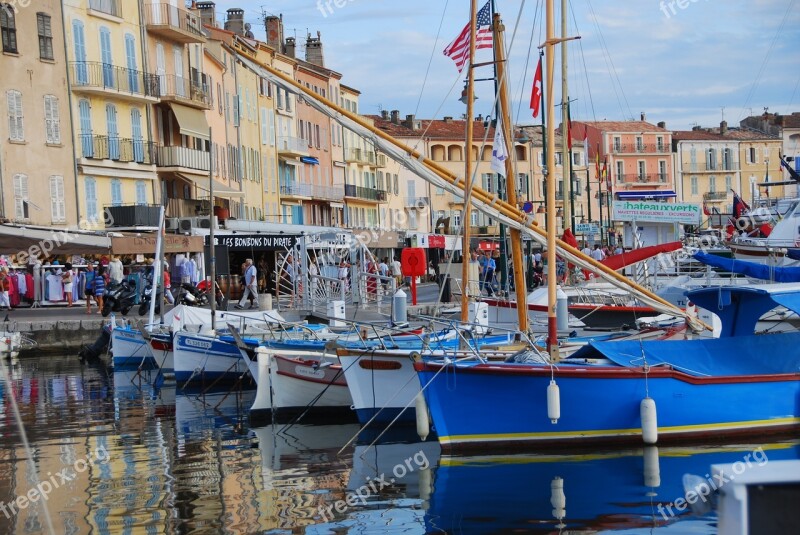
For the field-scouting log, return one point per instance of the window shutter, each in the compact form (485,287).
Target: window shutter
(264,126)
(57,208)
(271,124)
(12,117)
(51,119)
(20,195)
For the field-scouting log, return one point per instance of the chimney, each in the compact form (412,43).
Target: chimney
(697,128)
(409,122)
(479,118)
(396,116)
(289,48)
(642,117)
(207,16)
(385,115)
(314,50)
(662,124)
(235,21)
(723,127)
(274,27)
(448,120)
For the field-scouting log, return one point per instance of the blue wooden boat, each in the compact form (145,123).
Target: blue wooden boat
(742,383)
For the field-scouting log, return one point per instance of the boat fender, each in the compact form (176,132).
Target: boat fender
(557,498)
(423,421)
(652,472)
(415,356)
(425,487)
(647,411)
(553,402)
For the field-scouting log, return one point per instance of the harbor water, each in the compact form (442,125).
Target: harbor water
(132,453)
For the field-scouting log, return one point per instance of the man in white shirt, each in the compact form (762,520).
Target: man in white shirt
(250,285)
(598,253)
(397,271)
(115,269)
(587,250)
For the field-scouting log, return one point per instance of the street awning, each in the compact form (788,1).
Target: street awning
(220,190)
(646,194)
(191,122)
(309,159)
(146,244)
(16,239)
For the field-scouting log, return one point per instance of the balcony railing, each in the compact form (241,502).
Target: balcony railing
(369,194)
(715,196)
(183,89)
(292,144)
(182,157)
(647,177)
(640,148)
(381,161)
(297,190)
(708,167)
(360,156)
(416,202)
(134,215)
(328,193)
(108,77)
(117,149)
(174,23)
(109,7)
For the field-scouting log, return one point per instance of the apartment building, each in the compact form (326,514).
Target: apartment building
(37,171)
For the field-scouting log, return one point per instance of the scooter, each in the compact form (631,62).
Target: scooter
(191,296)
(119,297)
(144,306)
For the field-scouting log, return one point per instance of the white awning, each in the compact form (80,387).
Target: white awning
(220,190)
(98,170)
(192,122)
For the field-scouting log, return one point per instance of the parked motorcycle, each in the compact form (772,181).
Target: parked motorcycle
(144,305)
(191,296)
(119,297)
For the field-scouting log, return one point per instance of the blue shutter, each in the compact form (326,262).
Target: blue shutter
(87,145)
(81,73)
(141,192)
(113,134)
(91,199)
(136,135)
(130,52)
(116,192)
(108,61)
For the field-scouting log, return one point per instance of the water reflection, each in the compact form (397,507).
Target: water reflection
(176,461)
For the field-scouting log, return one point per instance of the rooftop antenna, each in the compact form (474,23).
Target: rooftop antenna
(723,112)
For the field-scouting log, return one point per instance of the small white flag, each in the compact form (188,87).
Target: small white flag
(499,150)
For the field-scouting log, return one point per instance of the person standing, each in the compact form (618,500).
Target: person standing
(488,275)
(5,287)
(383,271)
(397,271)
(598,253)
(168,287)
(115,270)
(250,285)
(99,287)
(88,289)
(67,278)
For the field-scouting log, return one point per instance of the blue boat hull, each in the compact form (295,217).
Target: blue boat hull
(599,404)
(202,359)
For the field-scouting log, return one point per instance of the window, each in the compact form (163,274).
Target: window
(57,206)
(107,58)
(21,196)
(113,133)
(52,121)
(620,171)
(8,25)
(662,170)
(712,184)
(136,135)
(87,145)
(396,186)
(693,182)
(16,130)
(130,59)
(751,155)
(617,144)
(639,144)
(116,192)
(576,159)
(641,171)
(711,159)
(727,159)
(91,198)
(457,219)
(141,192)
(728,183)
(660,143)
(45,36)
(81,71)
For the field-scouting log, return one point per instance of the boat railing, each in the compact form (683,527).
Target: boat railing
(374,288)
(323,290)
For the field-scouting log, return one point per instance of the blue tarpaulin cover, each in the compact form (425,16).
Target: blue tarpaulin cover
(750,269)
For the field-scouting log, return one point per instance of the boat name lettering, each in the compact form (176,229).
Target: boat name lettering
(309,372)
(202,344)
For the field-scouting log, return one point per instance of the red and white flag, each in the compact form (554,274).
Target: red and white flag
(458,50)
(536,92)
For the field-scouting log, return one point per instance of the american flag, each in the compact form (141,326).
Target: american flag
(458,50)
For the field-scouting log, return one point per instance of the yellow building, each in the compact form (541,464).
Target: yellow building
(269,154)
(37,172)
(112,92)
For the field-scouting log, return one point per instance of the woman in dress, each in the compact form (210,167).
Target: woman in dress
(68,278)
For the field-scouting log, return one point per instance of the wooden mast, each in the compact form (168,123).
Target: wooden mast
(552,331)
(511,182)
(465,220)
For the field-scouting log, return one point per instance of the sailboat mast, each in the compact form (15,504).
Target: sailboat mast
(465,220)
(552,331)
(566,163)
(511,182)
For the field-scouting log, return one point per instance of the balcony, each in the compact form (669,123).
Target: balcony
(108,7)
(328,193)
(134,215)
(650,178)
(359,156)
(364,194)
(186,207)
(292,146)
(173,23)
(709,167)
(715,196)
(182,157)
(304,191)
(417,202)
(640,148)
(183,90)
(381,160)
(117,149)
(104,79)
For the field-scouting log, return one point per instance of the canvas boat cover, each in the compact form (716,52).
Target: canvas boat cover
(750,269)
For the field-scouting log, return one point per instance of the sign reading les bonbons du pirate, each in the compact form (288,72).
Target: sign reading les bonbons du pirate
(657,212)
(246,242)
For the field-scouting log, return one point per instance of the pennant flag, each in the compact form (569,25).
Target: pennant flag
(458,50)
(499,150)
(739,206)
(609,185)
(586,142)
(568,129)
(597,162)
(705,209)
(536,92)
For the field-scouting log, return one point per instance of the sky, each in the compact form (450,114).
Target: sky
(685,62)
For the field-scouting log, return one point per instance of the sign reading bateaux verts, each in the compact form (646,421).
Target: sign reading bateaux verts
(657,212)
